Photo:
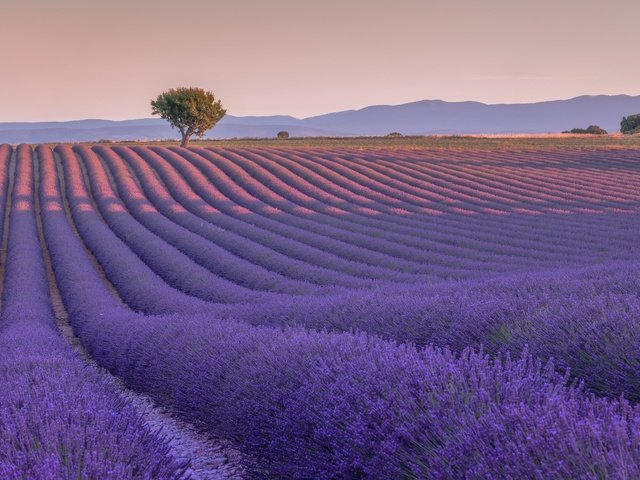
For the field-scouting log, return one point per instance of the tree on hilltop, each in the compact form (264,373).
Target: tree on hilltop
(191,110)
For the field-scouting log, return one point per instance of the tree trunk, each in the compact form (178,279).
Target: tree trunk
(186,135)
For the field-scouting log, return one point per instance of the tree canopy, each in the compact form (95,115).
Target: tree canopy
(191,110)
(630,124)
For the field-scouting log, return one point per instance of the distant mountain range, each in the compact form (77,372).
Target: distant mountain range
(426,117)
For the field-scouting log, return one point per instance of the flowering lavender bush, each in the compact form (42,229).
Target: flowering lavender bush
(59,418)
(336,314)
(169,263)
(274,251)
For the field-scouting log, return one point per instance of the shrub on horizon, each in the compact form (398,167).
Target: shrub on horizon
(283,135)
(630,124)
(590,130)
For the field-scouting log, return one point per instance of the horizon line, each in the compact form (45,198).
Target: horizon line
(330,112)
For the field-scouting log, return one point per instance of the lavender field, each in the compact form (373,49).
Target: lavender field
(331,313)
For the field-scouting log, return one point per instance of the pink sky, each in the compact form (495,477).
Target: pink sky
(73,59)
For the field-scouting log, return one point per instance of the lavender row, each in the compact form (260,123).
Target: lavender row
(529,176)
(462,189)
(317,405)
(584,177)
(367,231)
(607,244)
(139,286)
(208,179)
(199,249)
(6,152)
(535,188)
(516,183)
(447,234)
(175,268)
(304,213)
(301,223)
(486,316)
(460,235)
(270,189)
(321,405)
(60,419)
(600,226)
(449,182)
(212,184)
(200,240)
(543,185)
(497,316)
(572,315)
(200,198)
(434,226)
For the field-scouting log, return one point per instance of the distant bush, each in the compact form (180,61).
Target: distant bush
(456,136)
(395,135)
(630,124)
(590,130)
(105,140)
(283,135)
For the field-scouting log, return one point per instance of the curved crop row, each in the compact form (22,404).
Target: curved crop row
(296,171)
(135,282)
(499,244)
(429,225)
(176,268)
(59,419)
(354,242)
(545,250)
(345,382)
(573,316)
(205,253)
(279,264)
(445,173)
(200,197)
(324,405)
(271,189)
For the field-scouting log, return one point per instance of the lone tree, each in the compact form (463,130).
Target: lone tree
(630,124)
(191,110)
(283,135)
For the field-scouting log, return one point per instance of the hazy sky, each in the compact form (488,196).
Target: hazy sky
(71,59)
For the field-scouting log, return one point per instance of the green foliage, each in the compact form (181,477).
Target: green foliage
(283,134)
(590,130)
(395,135)
(191,110)
(630,124)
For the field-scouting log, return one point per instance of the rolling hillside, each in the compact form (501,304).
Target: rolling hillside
(417,118)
